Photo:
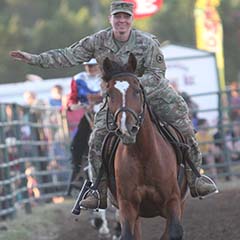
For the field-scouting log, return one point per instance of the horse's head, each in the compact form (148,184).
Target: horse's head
(126,100)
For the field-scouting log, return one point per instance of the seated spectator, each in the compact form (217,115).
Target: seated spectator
(56,96)
(31,99)
(205,139)
(73,117)
(236,141)
(192,106)
(32,183)
(10,133)
(36,114)
(223,139)
(58,150)
(234,101)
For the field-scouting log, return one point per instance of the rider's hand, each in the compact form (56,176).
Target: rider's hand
(21,56)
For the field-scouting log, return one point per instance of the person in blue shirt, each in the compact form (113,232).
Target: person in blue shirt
(56,96)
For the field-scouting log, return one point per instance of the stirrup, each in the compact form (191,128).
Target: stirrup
(91,192)
(208,180)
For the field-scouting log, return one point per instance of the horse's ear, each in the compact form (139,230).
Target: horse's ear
(132,63)
(107,65)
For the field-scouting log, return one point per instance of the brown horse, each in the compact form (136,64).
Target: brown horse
(145,164)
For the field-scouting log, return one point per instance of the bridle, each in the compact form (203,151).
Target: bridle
(111,118)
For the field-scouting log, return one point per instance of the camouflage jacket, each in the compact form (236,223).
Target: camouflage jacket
(146,48)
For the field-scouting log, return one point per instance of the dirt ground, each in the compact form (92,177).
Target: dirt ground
(215,218)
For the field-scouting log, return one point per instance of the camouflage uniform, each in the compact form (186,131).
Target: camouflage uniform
(168,105)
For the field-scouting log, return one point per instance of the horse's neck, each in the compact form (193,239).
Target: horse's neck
(147,132)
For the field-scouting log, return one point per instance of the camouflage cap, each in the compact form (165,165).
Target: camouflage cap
(121,6)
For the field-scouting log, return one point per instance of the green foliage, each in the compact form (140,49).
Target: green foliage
(36,26)
(172,20)
(230,13)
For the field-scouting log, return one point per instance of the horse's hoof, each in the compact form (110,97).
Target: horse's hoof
(96,223)
(116,238)
(104,236)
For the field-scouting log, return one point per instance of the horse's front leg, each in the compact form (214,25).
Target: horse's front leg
(137,230)
(130,223)
(173,230)
(104,230)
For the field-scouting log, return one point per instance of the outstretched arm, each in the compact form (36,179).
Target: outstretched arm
(77,53)
(51,59)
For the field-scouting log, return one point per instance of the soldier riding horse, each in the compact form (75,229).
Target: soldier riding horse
(144,176)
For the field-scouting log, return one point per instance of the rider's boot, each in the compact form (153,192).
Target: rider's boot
(199,186)
(96,199)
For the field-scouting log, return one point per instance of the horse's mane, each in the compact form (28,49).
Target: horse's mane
(116,68)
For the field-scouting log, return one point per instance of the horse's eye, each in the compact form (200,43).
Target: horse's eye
(137,91)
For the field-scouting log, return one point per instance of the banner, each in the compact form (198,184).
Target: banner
(209,32)
(145,8)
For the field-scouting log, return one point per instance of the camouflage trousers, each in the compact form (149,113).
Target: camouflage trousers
(169,106)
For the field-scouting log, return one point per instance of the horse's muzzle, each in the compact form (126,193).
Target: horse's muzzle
(127,139)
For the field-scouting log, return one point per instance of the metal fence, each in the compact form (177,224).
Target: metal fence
(35,156)
(220,141)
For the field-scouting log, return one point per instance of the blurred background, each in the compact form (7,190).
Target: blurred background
(36,26)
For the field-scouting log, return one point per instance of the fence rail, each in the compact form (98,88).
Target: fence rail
(34,156)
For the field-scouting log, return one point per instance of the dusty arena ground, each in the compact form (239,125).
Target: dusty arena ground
(215,218)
